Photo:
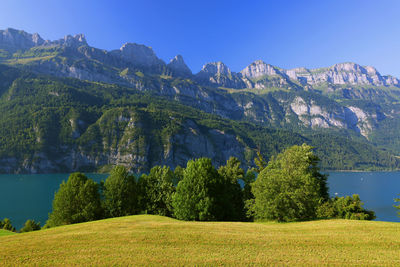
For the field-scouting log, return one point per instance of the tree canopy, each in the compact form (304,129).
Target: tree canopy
(156,190)
(77,200)
(120,193)
(196,194)
(231,193)
(290,187)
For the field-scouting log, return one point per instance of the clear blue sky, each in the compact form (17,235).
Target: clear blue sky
(284,33)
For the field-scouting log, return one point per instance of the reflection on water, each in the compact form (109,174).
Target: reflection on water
(376,189)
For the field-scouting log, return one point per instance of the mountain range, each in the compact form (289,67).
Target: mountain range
(86,89)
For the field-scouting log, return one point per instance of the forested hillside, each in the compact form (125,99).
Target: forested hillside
(62,124)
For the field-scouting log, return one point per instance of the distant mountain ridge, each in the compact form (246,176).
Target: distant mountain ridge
(258,75)
(346,100)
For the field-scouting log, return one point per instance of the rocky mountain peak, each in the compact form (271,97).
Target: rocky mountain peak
(178,67)
(177,59)
(259,68)
(371,70)
(214,68)
(138,54)
(70,41)
(76,40)
(13,40)
(217,73)
(348,67)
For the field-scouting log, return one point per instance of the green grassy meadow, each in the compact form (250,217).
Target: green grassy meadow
(5,232)
(155,240)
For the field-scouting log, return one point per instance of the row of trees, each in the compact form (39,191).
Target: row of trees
(198,192)
(289,188)
(30,225)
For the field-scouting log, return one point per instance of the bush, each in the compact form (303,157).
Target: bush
(345,208)
(290,188)
(120,193)
(6,225)
(30,225)
(77,200)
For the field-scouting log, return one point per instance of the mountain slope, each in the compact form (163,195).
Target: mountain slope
(62,125)
(358,98)
(353,105)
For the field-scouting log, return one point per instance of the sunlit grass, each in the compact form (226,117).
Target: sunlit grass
(153,240)
(5,232)
(28,60)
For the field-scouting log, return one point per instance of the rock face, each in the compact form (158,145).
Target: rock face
(138,54)
(342,74)
(69,40)
(261,75)
(258,69)
(13,40)
(217,73)
(111,66)
(130,144)
(178,67)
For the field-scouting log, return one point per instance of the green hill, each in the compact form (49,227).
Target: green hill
(153,240)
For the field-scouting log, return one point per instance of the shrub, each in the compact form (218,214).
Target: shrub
(345,208)
(30,225)
(6,225)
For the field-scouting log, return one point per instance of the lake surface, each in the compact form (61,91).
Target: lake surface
(30,196)
(376,189)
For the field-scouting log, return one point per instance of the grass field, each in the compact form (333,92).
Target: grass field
(4,232)
(155,240)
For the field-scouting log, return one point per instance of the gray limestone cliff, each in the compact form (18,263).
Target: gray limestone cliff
(178,67)
(217,73)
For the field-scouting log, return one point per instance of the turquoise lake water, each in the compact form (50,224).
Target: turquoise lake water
(30,196)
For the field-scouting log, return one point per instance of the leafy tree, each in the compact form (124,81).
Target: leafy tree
(156,191)
(6,225)
(120,193)
(231,195)
(345,208)
(29,226)
(290,187)
(248,197)
(77,200)
(178,175)
(196,194)
(260,162)
(248,179)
